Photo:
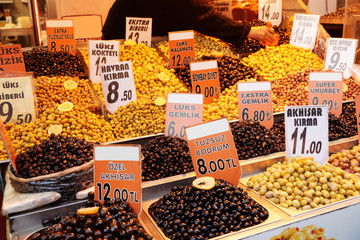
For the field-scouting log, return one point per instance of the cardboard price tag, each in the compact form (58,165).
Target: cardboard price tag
(7,143)
(139,30)
(270,11)
(223,7)
(118,85)
(182,48)
(11,58)
(306,132)
(325,88)
(357,105)
(205,79)
(182,110)
(340,54)
(101,52)
(17,103)
(213,150)
(117,174)
(60,36)
(255,102)
(304,30)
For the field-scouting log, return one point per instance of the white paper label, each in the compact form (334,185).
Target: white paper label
(139,30)
(117,84)
(340,54)
(306,132)
(304,30)
(270,11)
(223,7)
(101,52)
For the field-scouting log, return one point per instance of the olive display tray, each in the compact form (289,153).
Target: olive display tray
(291,212)
(273,218)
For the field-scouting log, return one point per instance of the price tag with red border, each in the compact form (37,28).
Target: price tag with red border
(306,132)
(304,30)
(117,174)
(326,88)
(101,52)
(139,30)
(205,79)
(357,105)
(60,36)
(7,143)
(11,58)
(182,48)
(118,85)
(182,110)
(255,102)
(213,150)
(270,11)
(224,7)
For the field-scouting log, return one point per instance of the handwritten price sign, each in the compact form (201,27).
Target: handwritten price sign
(182,48)
(60,36)
(304,30)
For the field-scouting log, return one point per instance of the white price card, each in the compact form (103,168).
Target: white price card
(340,54)
(182,110)
(270,11)
(304,30)
(118,85)
(101,52)
(306,132)
(223,7)
(139,30)
(17,100)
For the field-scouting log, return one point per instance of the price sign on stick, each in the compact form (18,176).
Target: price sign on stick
(306,132)
(270,11)
(60,36)
(223,7)
(213,150)
(255,102)
(11,58)
(182,110)
(357,105)
(182,48)
(117,174)
(101,52)
(205,79)
(304,30)
(7,143)
(139,30)
(17,100)
(118,85)
(326,88)
(340,54)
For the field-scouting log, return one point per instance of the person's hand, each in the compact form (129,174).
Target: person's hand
(262,33)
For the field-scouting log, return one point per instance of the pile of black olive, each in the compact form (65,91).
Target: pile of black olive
(55,154)
(345,125)
(165,156)
(254,140)
(42,62)
(190,213)
(231,70)
(115,220)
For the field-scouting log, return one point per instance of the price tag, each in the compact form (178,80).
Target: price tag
(7,143)
(304,30)
(213,150)
(325,88)
(60,36)
(357,105)
(11,58)
(205,79)
(255,102)
(117,174)
(17,100)
(340,54)
(117,84)
(101,52)
(139,30)
(182,48)
(223,7)
(270,11)
(182,110)
(306,132)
